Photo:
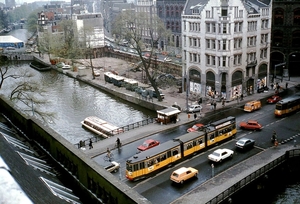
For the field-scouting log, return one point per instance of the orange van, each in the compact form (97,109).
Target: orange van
(252,106)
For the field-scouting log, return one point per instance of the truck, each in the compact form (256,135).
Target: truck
(113,167)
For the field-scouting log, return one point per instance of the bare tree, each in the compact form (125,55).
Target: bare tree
(137,28)
(25,90)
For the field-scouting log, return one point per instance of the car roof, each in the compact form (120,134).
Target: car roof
(252,121)
(181,170)
(149,140)
(221,150)
(243,139)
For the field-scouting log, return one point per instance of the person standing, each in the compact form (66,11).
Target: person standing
(91,144)
(215,105)
(195,116)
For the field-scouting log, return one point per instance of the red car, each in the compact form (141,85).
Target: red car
(148,144)
(251,125)
(195,127)
(274,99)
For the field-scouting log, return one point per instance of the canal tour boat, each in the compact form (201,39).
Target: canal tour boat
(101,127)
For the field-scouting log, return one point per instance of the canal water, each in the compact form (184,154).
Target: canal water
(72,101)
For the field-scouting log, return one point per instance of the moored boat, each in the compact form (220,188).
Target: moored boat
(101,127)
(39,66)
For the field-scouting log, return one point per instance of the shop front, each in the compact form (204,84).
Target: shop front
(236,89)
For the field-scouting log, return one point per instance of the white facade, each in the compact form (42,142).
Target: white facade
(90,29)
(226,47)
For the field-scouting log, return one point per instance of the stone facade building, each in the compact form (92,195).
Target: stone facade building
(285,46)
(226,47)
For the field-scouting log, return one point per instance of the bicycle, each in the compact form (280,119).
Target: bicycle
(108,157)
(118,145)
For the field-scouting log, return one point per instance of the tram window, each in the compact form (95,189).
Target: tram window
(175,152)
(150,163)
(142,165)
(211,136)
(135,167)
(200,141)
(163,157)
(168,154)
(129,167)
(189,146)
(194,143)
(158,159)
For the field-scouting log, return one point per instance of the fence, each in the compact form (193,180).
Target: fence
(253,176)
(121,130)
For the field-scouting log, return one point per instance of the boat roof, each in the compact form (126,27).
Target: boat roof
(9,39)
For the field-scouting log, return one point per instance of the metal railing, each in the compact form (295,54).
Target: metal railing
(253,176)
(120,130)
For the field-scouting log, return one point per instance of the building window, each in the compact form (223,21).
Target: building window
(264,39)
(224,61)
(213,60)
(265,24)
(224,45)
(207,59)
(224,28)
(251,57)
(195,42)
(241,13)
(208,27)
(184,40)
(213,25)
(252,26)
(238,27)
(278,16)
(237,59)
(297,17)
(207,14)
(224,12)
(263,53)
(207,43)
(251,41)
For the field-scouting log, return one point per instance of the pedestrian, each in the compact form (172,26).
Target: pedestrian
(272,86)
(189,116)
(215,105)
(91,144)
(286,85)
(223,102)
(242,97)
(212,105)
(195,116)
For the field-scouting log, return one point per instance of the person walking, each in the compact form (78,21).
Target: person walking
(195,116)
(91,144)
(118,143)
(242,97)
(215,105)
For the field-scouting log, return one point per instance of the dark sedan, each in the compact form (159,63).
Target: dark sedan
(245,143)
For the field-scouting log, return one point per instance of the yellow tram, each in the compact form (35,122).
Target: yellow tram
(145,163)
(287,106)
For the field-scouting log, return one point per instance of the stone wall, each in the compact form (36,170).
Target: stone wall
(92,181)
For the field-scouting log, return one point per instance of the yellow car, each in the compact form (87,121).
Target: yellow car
(182,174)
(252,106)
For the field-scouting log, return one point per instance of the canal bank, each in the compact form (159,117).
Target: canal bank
(71,159)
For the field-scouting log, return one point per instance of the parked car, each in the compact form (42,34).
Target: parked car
(250,125)
(245,143)
(274,99)
(167,59)
(194,108)
(154,95)
(196,127)
(220,154)
(182,174)
(148,144)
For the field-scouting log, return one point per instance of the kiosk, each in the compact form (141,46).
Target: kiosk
(168,115)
